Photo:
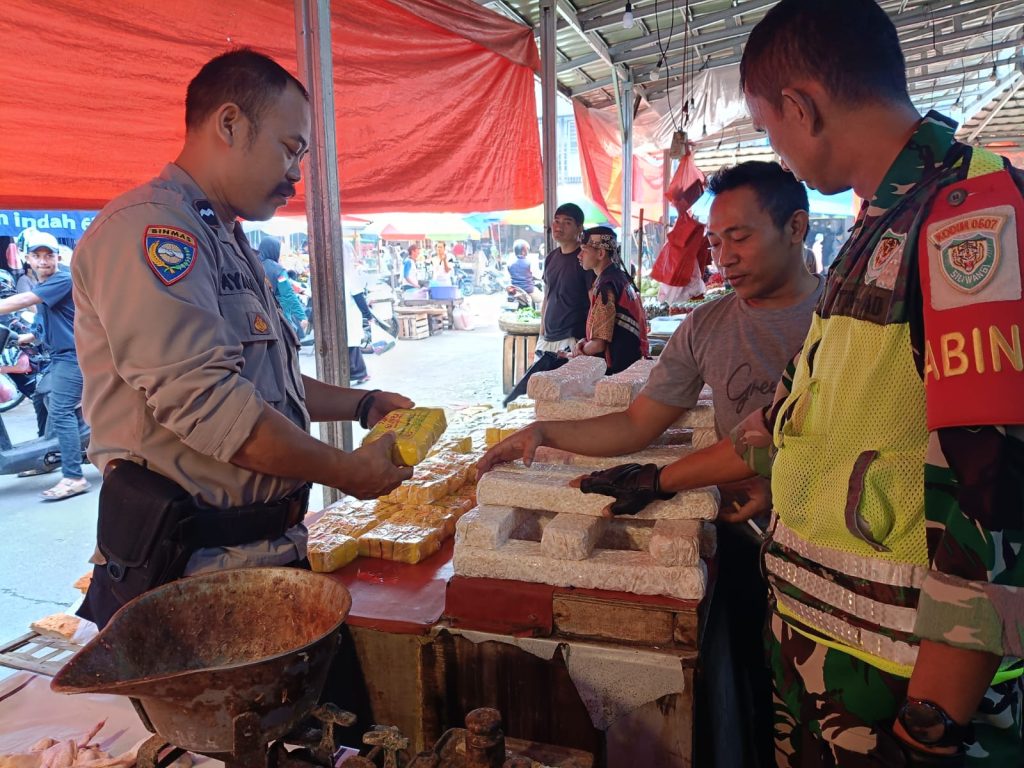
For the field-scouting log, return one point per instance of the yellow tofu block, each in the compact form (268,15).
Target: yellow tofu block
(385,509)
(332,551)
(405,543)
(415,429)
(354,522)
(493,436)
(427,516)
(461,445)
(458,504)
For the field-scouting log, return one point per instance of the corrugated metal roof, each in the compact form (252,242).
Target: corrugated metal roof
(954,48)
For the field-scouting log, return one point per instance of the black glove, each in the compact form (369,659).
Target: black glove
(634,486)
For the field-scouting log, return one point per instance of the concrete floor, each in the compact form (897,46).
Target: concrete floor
(45,545)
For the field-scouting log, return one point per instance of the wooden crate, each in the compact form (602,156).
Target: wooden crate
(413,326)
(519,355)
(35,653)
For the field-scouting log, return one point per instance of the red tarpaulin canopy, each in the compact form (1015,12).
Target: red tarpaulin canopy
(600,144)
(434,98)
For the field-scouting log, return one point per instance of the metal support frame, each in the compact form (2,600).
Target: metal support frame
(323,209)
(624,96)
(666,179)
(998,106)
(549,121)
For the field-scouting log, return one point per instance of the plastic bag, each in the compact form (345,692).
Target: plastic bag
(685,249)
(687,185)
(462,320)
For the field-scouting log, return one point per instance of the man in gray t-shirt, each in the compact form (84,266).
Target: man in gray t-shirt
(735,348)
(739,345)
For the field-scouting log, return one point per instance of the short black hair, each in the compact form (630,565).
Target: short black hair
(241,76)
(778,191)
(849,46)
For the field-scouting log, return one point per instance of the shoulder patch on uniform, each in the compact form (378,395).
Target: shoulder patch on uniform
(206,213)
(884,265)
(170,251)
(973,258)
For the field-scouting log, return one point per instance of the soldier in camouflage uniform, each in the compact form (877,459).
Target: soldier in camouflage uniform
(895,443)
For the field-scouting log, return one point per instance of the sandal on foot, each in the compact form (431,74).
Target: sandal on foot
(66,488)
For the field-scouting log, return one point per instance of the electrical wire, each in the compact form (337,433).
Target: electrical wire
(663,57)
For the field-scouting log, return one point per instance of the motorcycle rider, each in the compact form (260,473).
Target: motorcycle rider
(55,329)
(521,272)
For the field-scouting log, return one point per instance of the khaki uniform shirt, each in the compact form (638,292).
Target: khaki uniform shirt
(181,342)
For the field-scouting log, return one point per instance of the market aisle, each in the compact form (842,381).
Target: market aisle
(45,545)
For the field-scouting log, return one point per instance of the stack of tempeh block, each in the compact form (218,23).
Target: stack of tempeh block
(532,525)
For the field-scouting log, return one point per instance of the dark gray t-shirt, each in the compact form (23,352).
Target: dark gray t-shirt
(738,350)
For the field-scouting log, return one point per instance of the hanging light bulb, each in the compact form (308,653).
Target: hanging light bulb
(993,76)
(656,72)
(627,17)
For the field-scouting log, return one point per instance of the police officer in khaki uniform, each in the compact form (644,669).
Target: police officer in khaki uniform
(191,372)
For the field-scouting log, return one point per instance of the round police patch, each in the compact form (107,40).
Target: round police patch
(170,251)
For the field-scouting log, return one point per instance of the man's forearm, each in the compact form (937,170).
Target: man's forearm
(714,465)
(953,678)
(18,301)
(610,435)
(329,403)
(278,447)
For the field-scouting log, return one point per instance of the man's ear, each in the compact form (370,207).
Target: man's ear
(800,106)
(230,123)
(797,227)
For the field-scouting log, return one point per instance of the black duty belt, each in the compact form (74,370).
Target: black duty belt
(243,525)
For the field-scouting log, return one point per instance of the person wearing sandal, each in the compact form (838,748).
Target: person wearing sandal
(54,325)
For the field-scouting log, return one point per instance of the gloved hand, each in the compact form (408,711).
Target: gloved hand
(634,486)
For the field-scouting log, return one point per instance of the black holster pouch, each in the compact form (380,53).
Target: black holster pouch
(142,533)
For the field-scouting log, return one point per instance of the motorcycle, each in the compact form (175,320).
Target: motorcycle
(462,279)
(39,455)
(516,298)
(493,280)
(18,361)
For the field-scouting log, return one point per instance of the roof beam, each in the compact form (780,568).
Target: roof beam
(908,48)
(973,108)
(635,48)
(580,61)
(698,20)
(995,110)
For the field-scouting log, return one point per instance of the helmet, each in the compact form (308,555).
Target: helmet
(520,247)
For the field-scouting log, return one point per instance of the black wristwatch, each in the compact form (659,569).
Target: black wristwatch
(927,723)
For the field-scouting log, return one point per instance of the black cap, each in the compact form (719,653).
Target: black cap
(571,210)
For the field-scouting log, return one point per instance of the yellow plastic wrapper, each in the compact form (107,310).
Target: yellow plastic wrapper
(406,543)
(353,522)
(462,444)
(415,429)
(435,477)
(331,551)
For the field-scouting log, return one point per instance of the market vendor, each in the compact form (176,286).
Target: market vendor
(199,412)
(739,345)
(616,327)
